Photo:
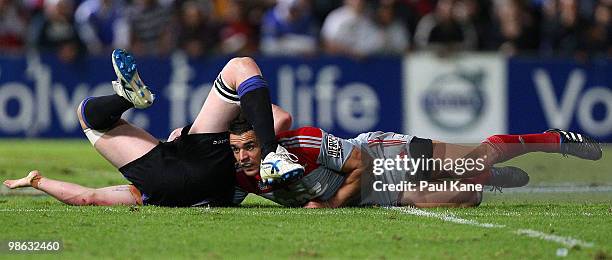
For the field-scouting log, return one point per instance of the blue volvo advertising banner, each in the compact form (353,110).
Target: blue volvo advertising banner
(39,94)
(560,94)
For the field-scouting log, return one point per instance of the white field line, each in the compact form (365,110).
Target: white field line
(566,241)
(559,189)
(445,217)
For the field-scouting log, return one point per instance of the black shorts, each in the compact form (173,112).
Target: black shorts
(195,169)
(421,148)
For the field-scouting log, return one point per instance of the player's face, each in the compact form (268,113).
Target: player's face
(247,152)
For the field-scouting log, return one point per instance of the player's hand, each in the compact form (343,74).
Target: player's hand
(175,134)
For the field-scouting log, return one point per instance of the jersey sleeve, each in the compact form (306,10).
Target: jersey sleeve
(305,143)
(334,152)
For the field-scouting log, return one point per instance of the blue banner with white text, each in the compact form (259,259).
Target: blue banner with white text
(39,94)
(560,94)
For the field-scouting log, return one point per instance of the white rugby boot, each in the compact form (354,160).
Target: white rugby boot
(280,166)
(128,84)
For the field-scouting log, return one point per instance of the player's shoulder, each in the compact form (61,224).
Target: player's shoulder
(306,131)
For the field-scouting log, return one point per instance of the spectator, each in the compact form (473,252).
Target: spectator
(150,26)
(12,27)
(198,35)
(395,35)
(322,8)
(564,29)
(477,15)
(349,31)
(288,29)
(599,39)
(56,31)
(102,25)
(236,35)
(33,8)
(442,28)
(411,11)
(513,29)
(254,11)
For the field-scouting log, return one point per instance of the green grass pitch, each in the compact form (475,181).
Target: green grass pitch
(572,224)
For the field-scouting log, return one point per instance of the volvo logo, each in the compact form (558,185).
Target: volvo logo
(455,101)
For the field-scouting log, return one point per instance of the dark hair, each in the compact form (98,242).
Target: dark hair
(240,125)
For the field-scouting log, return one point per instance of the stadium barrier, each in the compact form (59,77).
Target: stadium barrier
(461,99)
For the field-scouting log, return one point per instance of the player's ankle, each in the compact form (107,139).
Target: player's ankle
(35,181)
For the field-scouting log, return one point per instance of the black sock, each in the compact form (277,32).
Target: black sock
(257,109)
(101,113)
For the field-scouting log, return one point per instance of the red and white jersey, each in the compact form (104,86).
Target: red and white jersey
(322,156)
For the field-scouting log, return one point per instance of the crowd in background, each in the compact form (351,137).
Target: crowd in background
(355,28)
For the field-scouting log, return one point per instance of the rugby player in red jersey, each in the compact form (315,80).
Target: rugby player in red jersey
(336,167)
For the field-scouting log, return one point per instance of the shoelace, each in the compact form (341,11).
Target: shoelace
(291,157)
(116,84)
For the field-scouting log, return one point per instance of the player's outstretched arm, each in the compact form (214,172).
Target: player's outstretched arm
(352,168)
(77,195)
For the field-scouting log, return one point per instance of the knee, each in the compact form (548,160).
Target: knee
(241,63)
(237,70)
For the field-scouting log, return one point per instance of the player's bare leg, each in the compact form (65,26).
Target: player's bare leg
(74,194)
(223,103)
(500,148)
(116,140)
(121,144)
(445,151)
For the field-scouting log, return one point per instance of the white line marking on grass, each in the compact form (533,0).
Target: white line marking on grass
(35,210)
(559,189)
(567,241)
(445,217)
